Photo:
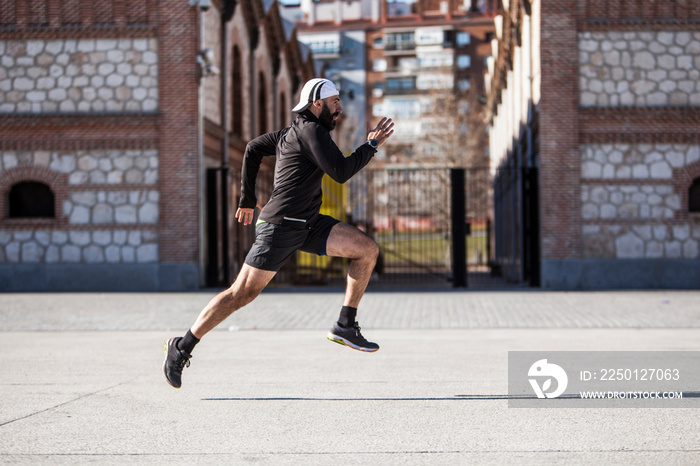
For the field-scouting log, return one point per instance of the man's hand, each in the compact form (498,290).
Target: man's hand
(382,131)
(245,216)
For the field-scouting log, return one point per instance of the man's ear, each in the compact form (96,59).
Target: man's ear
(318,104)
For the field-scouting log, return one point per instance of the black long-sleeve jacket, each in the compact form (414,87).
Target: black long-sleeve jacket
(304,151)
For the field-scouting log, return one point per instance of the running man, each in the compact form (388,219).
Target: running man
(291,220)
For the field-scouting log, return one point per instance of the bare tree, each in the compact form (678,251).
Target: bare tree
(454,130)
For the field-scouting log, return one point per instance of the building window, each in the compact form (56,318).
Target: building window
(435,60)
(475,5)
(464,61)
(400,85)
(430,36)
(464,84)
(378,109)
(379,64)
(406,108)
(400,41)
(448,39)
(463,38)
(323,43)
(694,196)
(31,199)
(325,46)
(435,81)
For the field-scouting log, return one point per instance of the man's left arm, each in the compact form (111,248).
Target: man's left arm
(340,168)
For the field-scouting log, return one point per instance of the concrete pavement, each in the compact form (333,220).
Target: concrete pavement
(278,309)
(81,380)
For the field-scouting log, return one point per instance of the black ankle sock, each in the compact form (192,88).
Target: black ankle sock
(188,342)
(347,316)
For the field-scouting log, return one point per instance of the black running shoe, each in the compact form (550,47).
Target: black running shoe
(351,336)
(175,362)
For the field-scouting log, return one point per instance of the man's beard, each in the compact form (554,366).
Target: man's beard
(326,118)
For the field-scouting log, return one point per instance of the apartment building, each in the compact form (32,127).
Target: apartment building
(421,63)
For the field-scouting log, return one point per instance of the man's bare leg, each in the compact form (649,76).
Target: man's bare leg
(347,241)
(248,285)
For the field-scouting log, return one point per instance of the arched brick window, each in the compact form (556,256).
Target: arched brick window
(262,105)
(283,110)
(31,199)
(694,196)
(237,94)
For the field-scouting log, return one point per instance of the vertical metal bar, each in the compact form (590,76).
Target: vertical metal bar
(488,241)
(225,261)
(212,250)
(459,263)
(531,253)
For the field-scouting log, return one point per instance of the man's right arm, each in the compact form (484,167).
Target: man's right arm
(256,149)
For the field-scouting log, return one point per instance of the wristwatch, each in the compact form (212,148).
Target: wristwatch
(373,143)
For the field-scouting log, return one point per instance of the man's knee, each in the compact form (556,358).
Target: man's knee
(370,251)
(243,294)
(249,284)
(375,251)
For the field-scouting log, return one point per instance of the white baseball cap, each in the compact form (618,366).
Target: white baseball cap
(317,88)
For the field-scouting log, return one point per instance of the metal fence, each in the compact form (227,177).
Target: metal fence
(410,213)
(407,212)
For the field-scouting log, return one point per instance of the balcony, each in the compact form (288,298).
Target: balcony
(401,91)
(394,46)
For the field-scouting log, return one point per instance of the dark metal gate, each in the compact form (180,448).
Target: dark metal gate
(218,264)
(414,215)
(516,236)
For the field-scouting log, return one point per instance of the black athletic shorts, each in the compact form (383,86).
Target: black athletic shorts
(274,244)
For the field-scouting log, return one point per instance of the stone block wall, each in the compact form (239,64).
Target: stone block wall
(634,201)
(108,246)
(110,167)
(107,212)
(633,204)
(79,75)
(636,161)
(639,69)
(106,190)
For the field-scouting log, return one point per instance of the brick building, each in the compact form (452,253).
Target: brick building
(121,141)
(598,103)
